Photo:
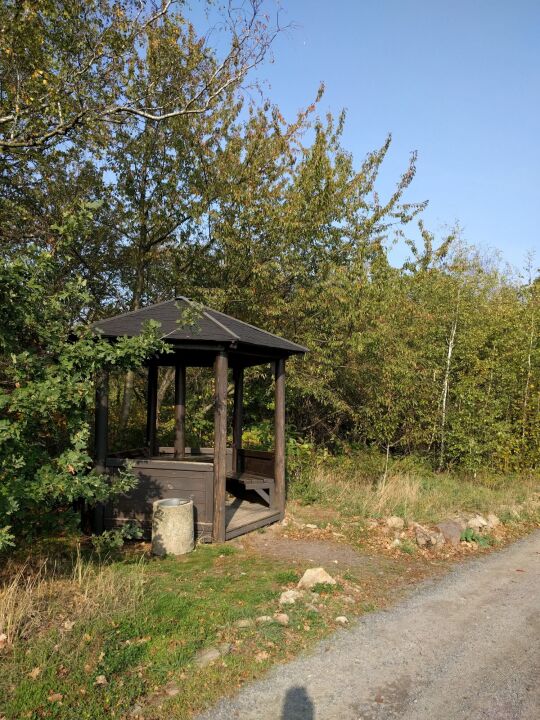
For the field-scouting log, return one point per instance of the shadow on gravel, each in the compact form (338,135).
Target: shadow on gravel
(298,705)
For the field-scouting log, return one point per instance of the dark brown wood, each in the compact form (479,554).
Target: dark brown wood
(220,445)
(157,480)
(279,435)
(238,415)
(151,408)
(101,420)
(265,517)
(101,441)
(259,462)
(180,410)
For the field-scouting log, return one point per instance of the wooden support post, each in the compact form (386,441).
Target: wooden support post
(238,416)
(220,445)
(102,420)
(279,436)
(151,409)
(101,440)
(180,410)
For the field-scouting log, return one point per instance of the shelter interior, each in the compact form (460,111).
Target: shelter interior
(234,489)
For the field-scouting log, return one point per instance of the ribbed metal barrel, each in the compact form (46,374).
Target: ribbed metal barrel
(172,527)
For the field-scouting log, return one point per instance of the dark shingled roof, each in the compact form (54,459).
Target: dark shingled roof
(208,326)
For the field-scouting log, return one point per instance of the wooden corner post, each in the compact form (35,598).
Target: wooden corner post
(101,438)
(238,416)
(180,410)
(151,409)
(101,420)
(279,436)
(220,445)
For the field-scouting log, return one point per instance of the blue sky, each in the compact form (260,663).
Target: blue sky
(456,80)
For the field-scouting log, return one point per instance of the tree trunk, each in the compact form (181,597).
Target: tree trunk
(446,385)
(164,385)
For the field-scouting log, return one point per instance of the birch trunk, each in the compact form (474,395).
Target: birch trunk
(446,385)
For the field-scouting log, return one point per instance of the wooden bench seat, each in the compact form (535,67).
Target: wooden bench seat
(263,486)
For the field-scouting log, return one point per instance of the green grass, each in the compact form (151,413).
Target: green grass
(143,643)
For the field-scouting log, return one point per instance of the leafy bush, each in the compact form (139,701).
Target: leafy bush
(112,540)
(48,361)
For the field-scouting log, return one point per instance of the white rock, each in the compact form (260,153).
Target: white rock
(428,538)
(289,597)
(342,620)
(492,521)
(264,620)
(206,656)
(244,623)
(311,526)
(315,576)
(477,523)
(282,618)
(395,523)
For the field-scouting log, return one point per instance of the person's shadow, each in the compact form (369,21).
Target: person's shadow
(298,705)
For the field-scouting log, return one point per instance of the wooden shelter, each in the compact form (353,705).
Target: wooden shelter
(234,490)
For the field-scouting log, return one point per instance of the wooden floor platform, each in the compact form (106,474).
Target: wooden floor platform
(243,516)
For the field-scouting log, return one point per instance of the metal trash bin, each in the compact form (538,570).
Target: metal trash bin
(172,527)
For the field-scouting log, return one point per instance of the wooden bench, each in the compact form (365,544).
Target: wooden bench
(263,486)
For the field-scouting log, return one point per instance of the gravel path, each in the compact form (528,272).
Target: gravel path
(466,647)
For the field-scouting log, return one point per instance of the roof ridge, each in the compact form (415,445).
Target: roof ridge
(266,332)
(131,312)
(205,309)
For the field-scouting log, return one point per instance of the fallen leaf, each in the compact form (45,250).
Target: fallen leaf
(68,625)
(55,697)
(261,656)
(35,673)
(101,680)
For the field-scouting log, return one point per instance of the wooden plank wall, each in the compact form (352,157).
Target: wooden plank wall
(160,480)
(258,462)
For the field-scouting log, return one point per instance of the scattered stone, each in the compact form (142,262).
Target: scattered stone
(244,623)
(312,608)
(395,523)
(342,620)
(225,648)
(315,576)
(172,689)
(477,523)
(311,526)
(101,680)
(264,620)
(492,521)
(282,619)
(451,531)
(395,543)
(289,597)
(426,538)
(206,656)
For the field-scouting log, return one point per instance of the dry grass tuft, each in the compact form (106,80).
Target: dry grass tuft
(414,492)
(35,599)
